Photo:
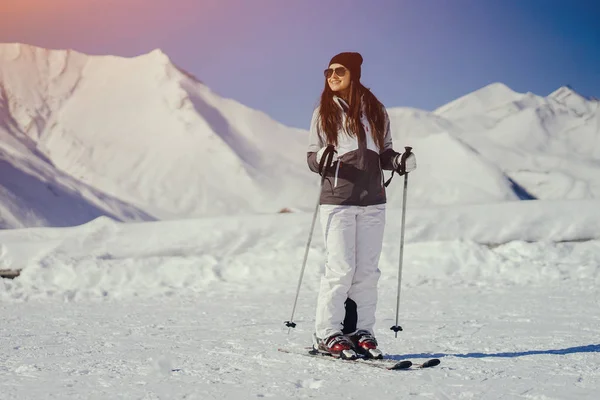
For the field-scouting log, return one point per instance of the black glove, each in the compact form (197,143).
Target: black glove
(405,162)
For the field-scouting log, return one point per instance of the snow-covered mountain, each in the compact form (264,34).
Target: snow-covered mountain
(547,147)
(139,131)
(140,139)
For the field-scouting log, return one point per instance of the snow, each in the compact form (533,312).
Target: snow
(505,294)
(224,346)
(155,264)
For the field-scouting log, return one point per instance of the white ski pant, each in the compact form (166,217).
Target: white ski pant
(353,240)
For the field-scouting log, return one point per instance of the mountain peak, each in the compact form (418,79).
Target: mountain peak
(497,88)
(480,100)
(157,55)
(565,91)
(16,50)
(570,98)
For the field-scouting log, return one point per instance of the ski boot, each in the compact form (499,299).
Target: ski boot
(336,345)
(366,344)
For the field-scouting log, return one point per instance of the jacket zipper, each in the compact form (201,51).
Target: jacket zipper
(336,173)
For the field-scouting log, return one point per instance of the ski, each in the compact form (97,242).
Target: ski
(385,363)
(428,364)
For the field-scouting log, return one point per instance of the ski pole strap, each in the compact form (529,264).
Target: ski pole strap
(389,180)
(326,159)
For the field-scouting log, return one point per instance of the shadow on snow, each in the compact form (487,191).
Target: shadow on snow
(592,348)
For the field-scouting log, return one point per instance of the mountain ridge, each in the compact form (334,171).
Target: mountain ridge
(159,142)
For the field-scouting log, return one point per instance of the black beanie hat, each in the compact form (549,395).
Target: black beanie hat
(350,60)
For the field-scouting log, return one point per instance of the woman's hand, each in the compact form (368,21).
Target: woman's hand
(405,162)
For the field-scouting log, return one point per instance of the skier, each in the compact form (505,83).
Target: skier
(352,206)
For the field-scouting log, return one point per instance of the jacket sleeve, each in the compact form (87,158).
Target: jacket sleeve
(315,142)
(387,155)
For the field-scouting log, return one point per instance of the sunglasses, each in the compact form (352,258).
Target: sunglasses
(339,71)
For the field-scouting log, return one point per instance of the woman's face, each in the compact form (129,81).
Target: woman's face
(336,82)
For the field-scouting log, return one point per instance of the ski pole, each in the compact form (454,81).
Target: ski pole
(396,327)
(326,161)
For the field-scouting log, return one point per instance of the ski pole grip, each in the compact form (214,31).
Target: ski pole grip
(407,152)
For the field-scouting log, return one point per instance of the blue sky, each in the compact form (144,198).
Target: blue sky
(269,54)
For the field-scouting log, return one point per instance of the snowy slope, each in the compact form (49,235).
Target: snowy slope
(34,193)
(259,251)
(506,295)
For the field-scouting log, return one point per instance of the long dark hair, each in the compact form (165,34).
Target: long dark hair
(330,118)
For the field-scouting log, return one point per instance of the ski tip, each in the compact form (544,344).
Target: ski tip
(430,363)
(401,365)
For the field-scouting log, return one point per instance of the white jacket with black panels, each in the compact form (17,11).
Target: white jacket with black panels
(356,178)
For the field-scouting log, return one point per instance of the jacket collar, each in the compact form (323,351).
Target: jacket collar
(341,103)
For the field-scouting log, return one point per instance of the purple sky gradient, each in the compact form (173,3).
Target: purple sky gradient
(269,54)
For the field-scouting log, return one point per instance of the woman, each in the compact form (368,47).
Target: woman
(352,206)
